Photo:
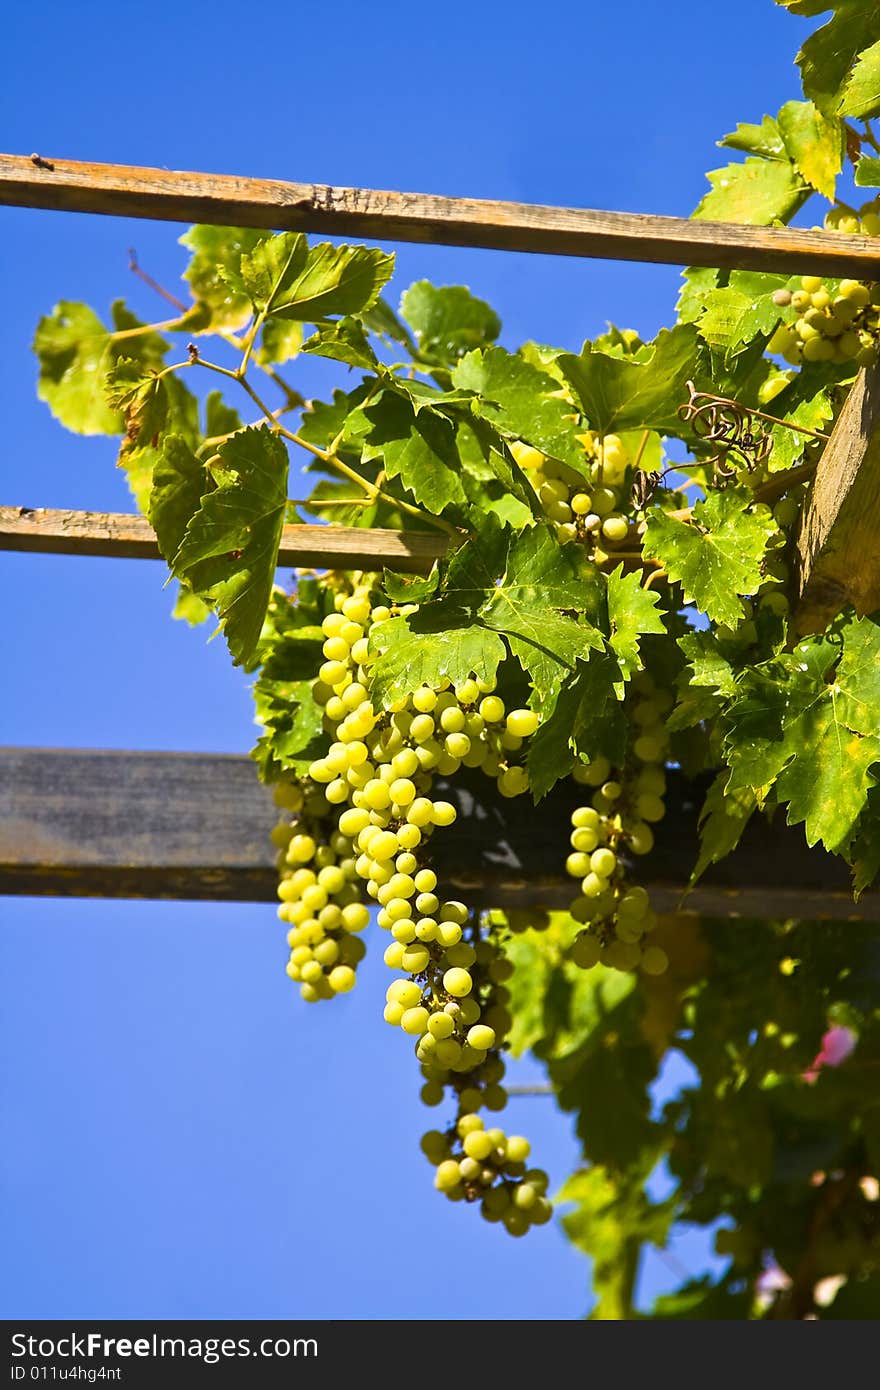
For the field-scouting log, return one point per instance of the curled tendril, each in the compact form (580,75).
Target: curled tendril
(730,428)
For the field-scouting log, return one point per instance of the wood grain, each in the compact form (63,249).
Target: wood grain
(176,196)
(119,534)
(78,823)
(838,543)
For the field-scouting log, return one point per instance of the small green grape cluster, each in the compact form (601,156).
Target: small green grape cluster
(477,1164)
(617,917)
(587,512)
(831,326)
(320,899)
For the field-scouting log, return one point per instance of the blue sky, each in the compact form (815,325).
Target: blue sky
(184,1139)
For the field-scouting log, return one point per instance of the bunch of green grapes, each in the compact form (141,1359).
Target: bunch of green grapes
(474,1163)
(841,325)
(836,321)
(375,785)
(617,917)
(320,899)
(591,513)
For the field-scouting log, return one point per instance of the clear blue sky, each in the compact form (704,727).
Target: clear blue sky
(183,1137)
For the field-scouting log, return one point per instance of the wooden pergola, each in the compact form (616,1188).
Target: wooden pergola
(185,825)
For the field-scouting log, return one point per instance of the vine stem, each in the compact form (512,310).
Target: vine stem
(327,456)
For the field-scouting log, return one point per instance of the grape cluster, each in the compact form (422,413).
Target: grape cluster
(474,1163)
(371,808)
(841,325)
(319,897)
(588,512)
(617,917)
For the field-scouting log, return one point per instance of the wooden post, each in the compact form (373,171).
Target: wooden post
(838,544)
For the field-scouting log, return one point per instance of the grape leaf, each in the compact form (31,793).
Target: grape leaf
(345,341)
(861,96)
(525,589)
(75,353)
(417,448)
(708,664)
(220,418)
(829,55)
(189,608)
(612,1217)
(229,552)
(805,404)
(717,556)
(756,192)
(764,139)
(286,278)
(631,614)
(815,143)
(140,394)
(448,320)
(280,340)
(407,659)
(741,310)
(723,818)
(180,480)
(868,172)
(586,719)
(814,738)
(213,273)
(617,394)
(521,401)
(381,319)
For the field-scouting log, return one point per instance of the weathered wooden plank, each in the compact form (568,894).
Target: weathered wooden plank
(174,196)
(838,544)
(45,531)
(192,825)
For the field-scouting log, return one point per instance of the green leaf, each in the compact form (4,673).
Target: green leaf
(617,394)
(521,401)
(417,448)
(740,311)
(220,418)
(179,482)
(286,278)
(214,273)
(632,612)
(139,393)
(868,172)
(230,550)
(804,404)
(723,818)
(816,144)
(814,738)
(529,601)
(861,97)
(717,556)
(76,352)
(831,54)
(410,588)
(708,664)
(586,720)
(448,320)
(189,608)
(280,340)
(381,319)
(408,659)
(764,139)
(612,1218)
(757,192)
(345,341)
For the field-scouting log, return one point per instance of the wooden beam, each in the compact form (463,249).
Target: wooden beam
(169,195)
(838,543)
(77,823)
(131,537)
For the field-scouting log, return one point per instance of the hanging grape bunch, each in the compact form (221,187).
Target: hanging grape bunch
(833,320)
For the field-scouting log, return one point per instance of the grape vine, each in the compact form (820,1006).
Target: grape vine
(615,599)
